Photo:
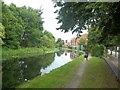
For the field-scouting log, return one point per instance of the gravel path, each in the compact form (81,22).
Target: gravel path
(75,82)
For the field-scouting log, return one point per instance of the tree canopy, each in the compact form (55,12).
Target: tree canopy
(100,18)
(24,27)
(76,16)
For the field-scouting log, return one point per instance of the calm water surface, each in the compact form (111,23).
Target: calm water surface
(18,71)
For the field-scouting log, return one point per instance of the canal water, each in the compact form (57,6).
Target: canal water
(18,71)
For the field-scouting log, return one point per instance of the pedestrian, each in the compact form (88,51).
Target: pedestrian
(86,56)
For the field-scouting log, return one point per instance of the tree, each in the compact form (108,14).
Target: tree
(60,42)
(2,34)
(77,16)
(33,28)
(13,27)
(23,26)
(48,40)
(83,42)
(102,18)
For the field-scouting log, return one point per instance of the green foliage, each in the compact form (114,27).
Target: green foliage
(24,52)
(60,53)
(13,26)
(75,16)
(60,42)
(24,28)
(48,40)
(101,18)
(2,34)
(32,32)
(83,42)
(97,50)
(12,67)
(70,47)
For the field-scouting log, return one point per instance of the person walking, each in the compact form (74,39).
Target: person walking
(86,56)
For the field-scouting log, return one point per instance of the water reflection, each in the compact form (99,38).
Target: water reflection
(58,61)
(60,53)
(18,71)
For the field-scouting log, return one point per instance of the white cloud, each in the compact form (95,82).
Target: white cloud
(49,16)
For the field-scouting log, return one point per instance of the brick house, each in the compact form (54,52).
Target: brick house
(75,41)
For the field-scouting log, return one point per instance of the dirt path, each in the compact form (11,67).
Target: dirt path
(75,82)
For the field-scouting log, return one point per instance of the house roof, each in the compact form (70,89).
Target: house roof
(84,36)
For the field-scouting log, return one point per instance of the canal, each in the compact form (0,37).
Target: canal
(17,71)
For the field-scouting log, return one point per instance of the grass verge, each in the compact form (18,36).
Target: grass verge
(98,75)
(58,78)
(24,52)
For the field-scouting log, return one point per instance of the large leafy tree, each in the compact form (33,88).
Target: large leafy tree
(60,42)
(100,18)
(13,26)
(48,40)
(24,28)
(77,16)
(32,26)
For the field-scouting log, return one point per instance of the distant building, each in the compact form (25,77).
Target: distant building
(65,44)
(75,41)
(84,36)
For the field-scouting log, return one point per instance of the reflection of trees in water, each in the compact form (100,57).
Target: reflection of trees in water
(60,53)
(16,71)
(74,54)
(11,73)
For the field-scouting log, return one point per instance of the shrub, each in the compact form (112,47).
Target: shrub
(97,50)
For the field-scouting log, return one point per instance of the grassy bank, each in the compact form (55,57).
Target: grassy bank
(58,78)
(24,52)
(98,75)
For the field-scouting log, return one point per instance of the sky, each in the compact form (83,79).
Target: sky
(50,23)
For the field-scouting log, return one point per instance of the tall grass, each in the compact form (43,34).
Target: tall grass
(24,52)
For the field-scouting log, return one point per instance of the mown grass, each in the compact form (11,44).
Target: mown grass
(24,52)
(98,75)
(58,78)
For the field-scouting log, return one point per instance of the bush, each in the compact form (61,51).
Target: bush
(105,52)
(97,50)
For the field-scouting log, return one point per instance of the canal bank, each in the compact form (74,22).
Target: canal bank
(25,52)
(58,78)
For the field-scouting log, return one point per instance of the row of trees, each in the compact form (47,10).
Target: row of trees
(100,18)
(23,27)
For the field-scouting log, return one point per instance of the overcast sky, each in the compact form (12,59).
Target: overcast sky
(49,16)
